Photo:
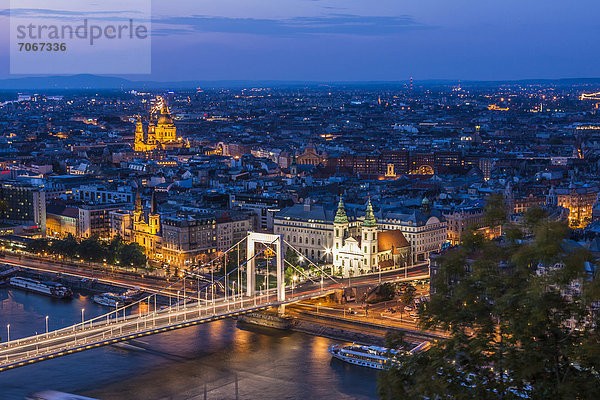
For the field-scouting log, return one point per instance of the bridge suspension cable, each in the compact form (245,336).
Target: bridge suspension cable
(144,317)
(310,262)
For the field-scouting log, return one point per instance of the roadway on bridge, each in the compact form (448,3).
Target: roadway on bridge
(111,328)
(115,326)
(150,284)
(126,281)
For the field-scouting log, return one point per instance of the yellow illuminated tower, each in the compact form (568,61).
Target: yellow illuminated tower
(139,135)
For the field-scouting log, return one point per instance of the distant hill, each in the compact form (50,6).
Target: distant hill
(63,82)
(95,82)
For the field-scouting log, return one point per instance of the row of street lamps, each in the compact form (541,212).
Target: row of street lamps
(294,280)
(47,317)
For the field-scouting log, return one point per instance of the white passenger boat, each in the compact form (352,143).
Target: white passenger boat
(132,294)
(48,288)
(366,356)
(109,299)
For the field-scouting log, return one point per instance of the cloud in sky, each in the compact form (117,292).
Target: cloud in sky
(333,24)
(49,13)
(362,40)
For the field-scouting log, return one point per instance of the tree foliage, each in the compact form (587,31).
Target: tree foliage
(115,247)
(291,256)
(37,246)
(387,291)
(133,255)
(291,272)
(517,330)
(93,249)
(408,295)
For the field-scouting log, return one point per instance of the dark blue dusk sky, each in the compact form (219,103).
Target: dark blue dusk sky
(341,40)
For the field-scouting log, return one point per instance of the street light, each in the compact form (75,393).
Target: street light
(294,279)
(82,311)
(46,326)
(8,333)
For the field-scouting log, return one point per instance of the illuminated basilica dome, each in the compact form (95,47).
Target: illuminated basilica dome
(161,135)
(165,116)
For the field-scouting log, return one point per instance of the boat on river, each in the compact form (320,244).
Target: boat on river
(109,299)
(366,356)
(53,289)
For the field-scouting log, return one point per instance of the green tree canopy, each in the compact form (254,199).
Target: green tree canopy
(387,291)
(133,255)
(495,211)
(38,246)
(67,247)
(291,256)
(91,249)
(291,272)
(521,318)
(115,247)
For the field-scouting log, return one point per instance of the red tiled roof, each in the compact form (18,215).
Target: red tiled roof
(391,240)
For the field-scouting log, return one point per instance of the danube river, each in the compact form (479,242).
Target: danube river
(217,359)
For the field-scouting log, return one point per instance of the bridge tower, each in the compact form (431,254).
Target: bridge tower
(271,240)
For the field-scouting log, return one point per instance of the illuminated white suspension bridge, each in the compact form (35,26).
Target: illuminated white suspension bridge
(204,303)
(590,96)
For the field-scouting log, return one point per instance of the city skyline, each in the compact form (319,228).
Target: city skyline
(302,199)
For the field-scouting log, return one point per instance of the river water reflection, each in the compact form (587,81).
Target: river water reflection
(218,358)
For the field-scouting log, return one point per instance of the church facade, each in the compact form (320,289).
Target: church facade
(179,240)
(360,248)
(159,134)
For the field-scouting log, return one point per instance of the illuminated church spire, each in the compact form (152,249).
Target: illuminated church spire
(370,220)
(340,216)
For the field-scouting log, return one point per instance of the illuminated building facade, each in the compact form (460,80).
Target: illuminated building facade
(159,134)
(326,235)
(177,240)
(311,156)
(366,249)
(22,204)
(579,201)
(460,219)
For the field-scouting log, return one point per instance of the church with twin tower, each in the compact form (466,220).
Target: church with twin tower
(159,134)
(359,247)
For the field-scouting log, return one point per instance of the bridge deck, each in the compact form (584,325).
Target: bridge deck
(102,332)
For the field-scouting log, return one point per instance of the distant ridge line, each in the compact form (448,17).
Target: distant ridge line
(96,82)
